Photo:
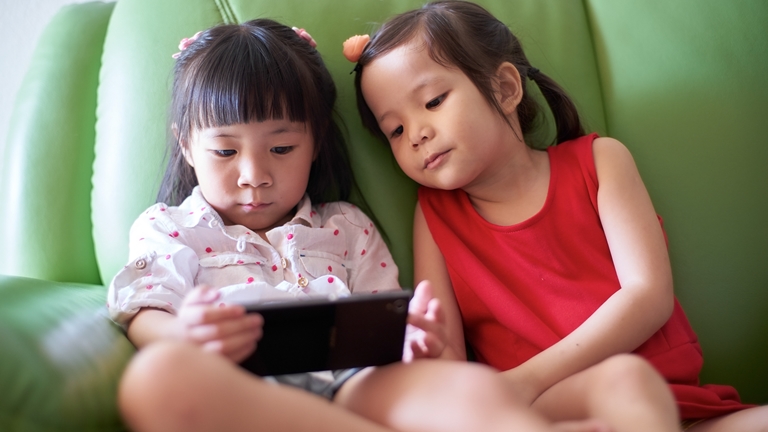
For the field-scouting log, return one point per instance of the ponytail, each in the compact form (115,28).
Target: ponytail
(567,121)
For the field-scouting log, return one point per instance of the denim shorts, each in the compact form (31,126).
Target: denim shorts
(324,384)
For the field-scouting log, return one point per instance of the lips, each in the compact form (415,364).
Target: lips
(253,206)
(434,160)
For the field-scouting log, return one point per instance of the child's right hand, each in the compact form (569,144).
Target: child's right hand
(425,334)
(218,327)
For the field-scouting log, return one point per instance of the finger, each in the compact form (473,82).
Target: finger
(250,324)
(415,351)
(201,295)
(421,297)
(209,314)
(232,344)
(424,323)
(435,311)
(407,353)
(243,353)
(433,345)
(420,350)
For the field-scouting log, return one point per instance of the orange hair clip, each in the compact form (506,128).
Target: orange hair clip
(354,46)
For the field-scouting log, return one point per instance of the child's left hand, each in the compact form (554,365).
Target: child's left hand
(425,335)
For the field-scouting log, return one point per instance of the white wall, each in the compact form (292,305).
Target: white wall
(21,23)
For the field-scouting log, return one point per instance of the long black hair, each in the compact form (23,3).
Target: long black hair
(464,35)
(255,71)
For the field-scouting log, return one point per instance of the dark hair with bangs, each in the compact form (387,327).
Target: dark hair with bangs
(465,35)
(256,71)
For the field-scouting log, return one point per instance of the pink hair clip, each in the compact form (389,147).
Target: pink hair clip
(185,43)
(304,35)
(354,46)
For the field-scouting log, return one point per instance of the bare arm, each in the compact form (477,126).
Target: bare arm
(429,264)
(151,325)
(226,330)
(644,302)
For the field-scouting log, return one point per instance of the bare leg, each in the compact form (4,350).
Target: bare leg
(624,391)
(748,420)
(433,395)
(178,387)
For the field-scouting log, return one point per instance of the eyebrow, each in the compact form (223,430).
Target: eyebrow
(287,129)
(277,131)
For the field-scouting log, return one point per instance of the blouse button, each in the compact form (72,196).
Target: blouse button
(303,282)
(284,262)
(141,264)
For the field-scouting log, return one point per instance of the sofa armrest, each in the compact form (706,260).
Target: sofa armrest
(61,358)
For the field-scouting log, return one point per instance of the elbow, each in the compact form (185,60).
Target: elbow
(665,304)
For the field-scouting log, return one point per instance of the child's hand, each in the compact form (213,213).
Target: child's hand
(425,335)
(217,327)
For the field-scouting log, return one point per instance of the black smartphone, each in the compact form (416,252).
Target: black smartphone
(326,334)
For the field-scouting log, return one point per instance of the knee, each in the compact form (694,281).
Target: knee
(155,383)
(479,386)
(628,373)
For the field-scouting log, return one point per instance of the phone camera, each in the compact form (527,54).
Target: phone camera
(400,306)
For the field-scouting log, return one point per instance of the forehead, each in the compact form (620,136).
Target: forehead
(256,129)
(411,58)
(403,73)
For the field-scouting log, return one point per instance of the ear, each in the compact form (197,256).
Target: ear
(183,146)
(186,154)
(509,91)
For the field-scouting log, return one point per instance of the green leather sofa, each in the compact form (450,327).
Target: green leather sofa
(682,83)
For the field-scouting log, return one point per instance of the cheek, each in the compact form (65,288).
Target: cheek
(214,176)
(408,160)
(297,176)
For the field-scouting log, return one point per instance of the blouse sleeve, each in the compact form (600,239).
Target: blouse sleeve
(161,270)
(374,269)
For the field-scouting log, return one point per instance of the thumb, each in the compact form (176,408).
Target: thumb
(202,295)
(421,297)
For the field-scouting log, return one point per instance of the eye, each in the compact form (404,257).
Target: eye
(281,150)
(224,153)
(436,101)
(396,133)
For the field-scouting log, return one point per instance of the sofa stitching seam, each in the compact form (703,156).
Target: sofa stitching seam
(601,82)
(226,11)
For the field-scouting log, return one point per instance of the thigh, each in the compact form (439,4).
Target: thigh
(748,420)
(404,394)
(178,387)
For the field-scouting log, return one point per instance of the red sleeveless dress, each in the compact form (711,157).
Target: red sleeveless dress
(521,288)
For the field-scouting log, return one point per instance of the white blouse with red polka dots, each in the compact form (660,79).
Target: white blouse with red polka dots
(330,250)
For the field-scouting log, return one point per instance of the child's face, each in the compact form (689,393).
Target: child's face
(253,174)
(443,133)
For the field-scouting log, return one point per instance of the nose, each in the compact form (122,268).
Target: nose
(419,134)
(254,172)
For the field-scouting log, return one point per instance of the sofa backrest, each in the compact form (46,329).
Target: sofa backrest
(135,78)
(682,84)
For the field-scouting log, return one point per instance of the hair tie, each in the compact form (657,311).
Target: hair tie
(185,43)
(353,47)
(532,72)
(304,35)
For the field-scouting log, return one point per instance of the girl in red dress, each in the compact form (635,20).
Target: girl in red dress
(552,263)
